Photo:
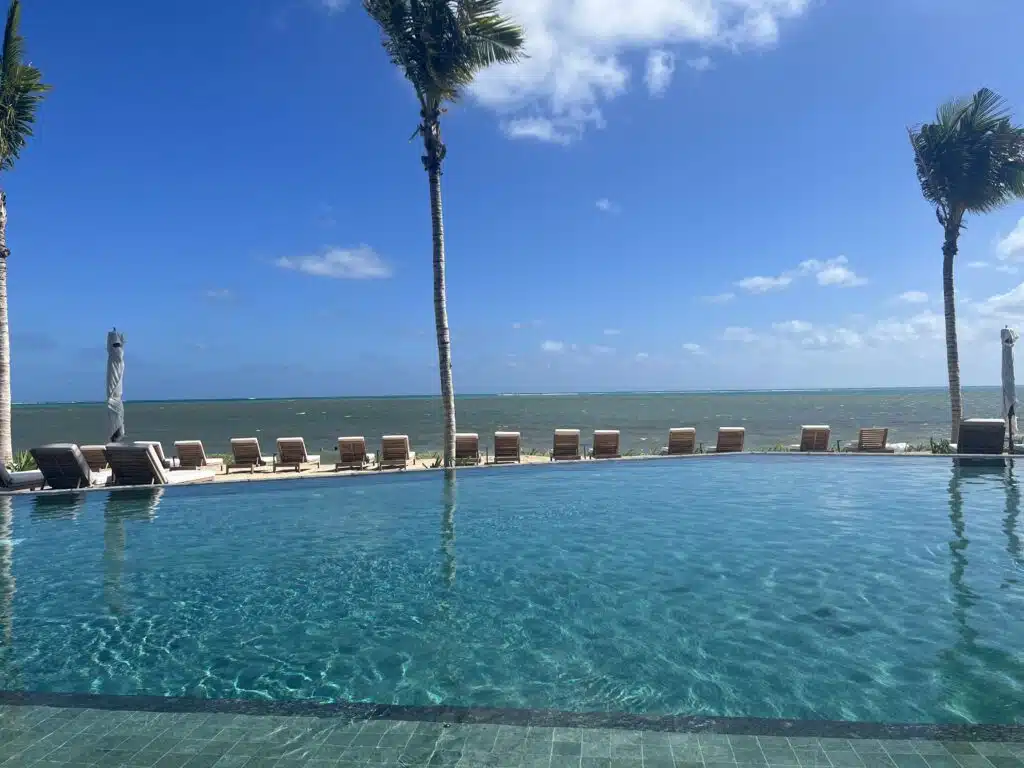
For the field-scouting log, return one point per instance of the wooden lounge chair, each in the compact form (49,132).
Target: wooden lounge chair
(814,438)
(682,441)
(507,448)
(352,453)
(467,448)
(158,448)
(566,446)
(65,468)
(246,453)
(394,452)
(873,440)
(192,455)
(95,457)
(730,439)
(984,436)
(291,452)
(133,464)
(606,444)
(26,480)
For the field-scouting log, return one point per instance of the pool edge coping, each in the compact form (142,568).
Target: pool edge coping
(735,726)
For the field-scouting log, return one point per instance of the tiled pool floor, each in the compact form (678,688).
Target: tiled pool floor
(50,736)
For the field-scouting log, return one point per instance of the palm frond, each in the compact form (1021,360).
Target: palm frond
(441,44)
(971,159)
(21,91)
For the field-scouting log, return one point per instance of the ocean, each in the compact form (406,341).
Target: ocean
(770,418)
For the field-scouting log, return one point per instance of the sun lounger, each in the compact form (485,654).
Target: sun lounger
(566,446)
(606,444)
(507,448)
(682,441)
(158,447)
(291,452)
(95,457)
(730,439)
(873,440)
(134,464)
(986,436)
(246,453)
(813,438)
(64,467)
(192,455)
(467,448)
(394,452)
(27,480)
(352,453)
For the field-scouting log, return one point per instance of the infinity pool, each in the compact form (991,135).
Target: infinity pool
(872,589)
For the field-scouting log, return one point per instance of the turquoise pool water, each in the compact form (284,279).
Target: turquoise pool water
(862,589)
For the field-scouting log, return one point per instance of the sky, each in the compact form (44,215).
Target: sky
(665,195)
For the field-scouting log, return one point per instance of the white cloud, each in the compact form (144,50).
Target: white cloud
(1008,269)
(1007,307)
(693,349)
(977,264)
(661,65)
(517,326)
(914,297)
(600,349)
(793,326)
(607,206)
(218,294)
(832,272)
(612,331)
(641,356)
(719,298)
(701,64)
(764,284)
(832,338)
(924,325)
(553,346)
(577,52)
(1011,247)
(333,6)
(541,129)
(360,263)
(745,335)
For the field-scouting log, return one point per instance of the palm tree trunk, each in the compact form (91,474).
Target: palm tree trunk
(6,454)
(432,160)
(949,250)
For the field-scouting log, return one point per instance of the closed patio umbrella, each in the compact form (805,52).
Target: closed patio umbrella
(1008,336)
(115,385)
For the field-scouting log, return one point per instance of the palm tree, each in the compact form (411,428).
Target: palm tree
(21,90)
(970,160)
(440,45)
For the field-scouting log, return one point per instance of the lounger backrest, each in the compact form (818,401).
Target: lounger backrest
(606,442)
(135,465)
(246,450)
(291,450)
(982,436)
(95,457)
(567,444)
(506,446)
(351,450)
(191,454)
(467,445)
(730,439)
(394,448)
(62,465)
(682,441)
(815,438)
(873,439)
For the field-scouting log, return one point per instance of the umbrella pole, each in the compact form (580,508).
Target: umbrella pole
(1013,413)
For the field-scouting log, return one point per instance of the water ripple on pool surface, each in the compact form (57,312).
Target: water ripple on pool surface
(884,590)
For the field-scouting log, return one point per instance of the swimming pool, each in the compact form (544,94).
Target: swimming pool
(870,589)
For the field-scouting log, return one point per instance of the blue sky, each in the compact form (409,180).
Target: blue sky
(668,194)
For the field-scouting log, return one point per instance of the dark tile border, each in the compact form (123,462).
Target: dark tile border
(748,726)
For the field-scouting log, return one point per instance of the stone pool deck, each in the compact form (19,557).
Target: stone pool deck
(77,736)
